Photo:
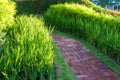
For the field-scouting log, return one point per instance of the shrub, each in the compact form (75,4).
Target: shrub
(25,7)
(27,52)
(7,11)
(42,5)
(101,30)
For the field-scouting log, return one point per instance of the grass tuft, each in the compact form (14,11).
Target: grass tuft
(28,51)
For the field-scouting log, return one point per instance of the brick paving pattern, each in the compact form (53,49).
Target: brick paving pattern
(83,63)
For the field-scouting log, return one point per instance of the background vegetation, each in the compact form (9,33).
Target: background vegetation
(41,5)
(25,7)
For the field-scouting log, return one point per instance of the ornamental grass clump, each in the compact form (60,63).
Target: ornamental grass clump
(27,52)
(101,30)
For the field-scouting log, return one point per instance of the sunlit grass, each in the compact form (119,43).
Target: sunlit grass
(28,51)
(7,11)
(102,31)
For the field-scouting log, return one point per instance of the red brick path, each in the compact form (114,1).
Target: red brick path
(83,63)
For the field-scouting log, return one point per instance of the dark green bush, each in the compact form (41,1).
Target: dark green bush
(27,52)
(7,11)
(25,7)
(42,5)
(101,30)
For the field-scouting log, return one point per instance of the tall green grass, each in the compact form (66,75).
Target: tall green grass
(27,52)
(103,31)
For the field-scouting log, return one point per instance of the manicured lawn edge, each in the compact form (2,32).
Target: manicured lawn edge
(105,59)
(62,70)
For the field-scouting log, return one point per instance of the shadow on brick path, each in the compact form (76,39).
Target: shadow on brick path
(83,63)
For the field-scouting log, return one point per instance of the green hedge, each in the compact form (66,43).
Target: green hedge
(7,11)
(103,31)
(27,52)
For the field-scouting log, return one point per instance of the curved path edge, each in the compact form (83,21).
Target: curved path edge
(83,63)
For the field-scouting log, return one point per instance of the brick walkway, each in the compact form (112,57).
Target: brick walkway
(83,63)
